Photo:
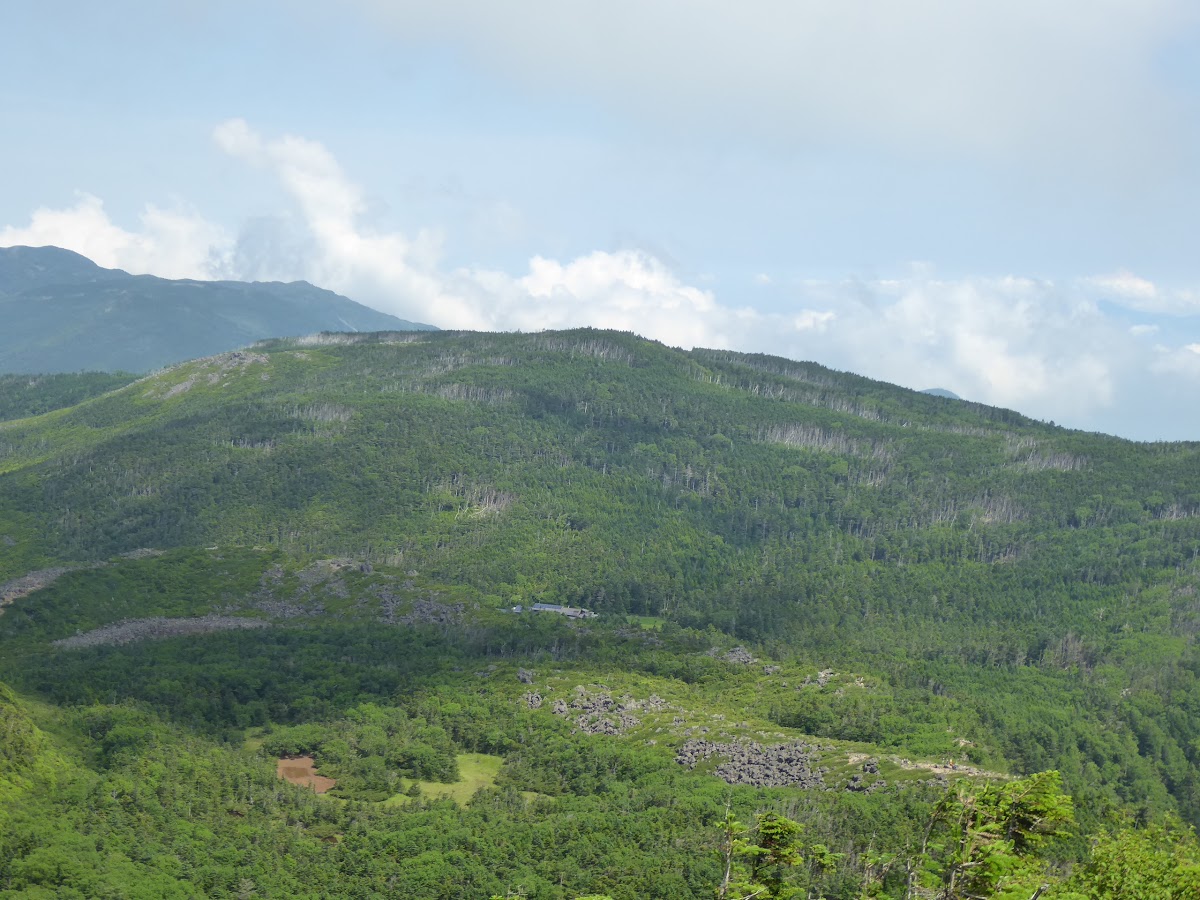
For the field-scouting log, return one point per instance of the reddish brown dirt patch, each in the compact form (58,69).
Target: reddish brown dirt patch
(303,771)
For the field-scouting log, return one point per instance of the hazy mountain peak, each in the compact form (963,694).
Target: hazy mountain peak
(23,268)
(941,392)
(64,313)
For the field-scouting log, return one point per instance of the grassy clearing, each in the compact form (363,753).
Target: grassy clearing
(476,771)
(254,739)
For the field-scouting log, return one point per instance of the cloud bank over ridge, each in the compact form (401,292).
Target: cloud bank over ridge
(997,79)
(1074,352)
(176,243)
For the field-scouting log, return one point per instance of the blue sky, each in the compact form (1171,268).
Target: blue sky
(997,198)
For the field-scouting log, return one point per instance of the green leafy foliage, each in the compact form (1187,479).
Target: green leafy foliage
(984,842)
(762,863)
(1157,863)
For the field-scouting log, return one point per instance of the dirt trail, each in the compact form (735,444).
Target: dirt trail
(949,770)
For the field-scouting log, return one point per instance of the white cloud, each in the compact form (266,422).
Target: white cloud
(1178,361)
(1006,341)
(173,243)
(1133,292)
(813,320)
(627,289)
(1126,285)
(387,269)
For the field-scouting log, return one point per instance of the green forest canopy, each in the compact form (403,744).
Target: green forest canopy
(951,581)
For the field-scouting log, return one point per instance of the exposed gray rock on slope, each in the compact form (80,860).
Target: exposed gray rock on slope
(782,765)
(155,628)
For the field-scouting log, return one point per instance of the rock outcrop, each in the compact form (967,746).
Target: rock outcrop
(748,762)
(156,628)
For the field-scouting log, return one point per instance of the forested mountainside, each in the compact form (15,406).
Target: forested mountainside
(22,396)
(63,313)
(821,600)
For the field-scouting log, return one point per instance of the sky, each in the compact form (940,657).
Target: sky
(996,198)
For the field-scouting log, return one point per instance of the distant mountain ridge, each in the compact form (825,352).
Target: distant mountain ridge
(64,313)
(941,392)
